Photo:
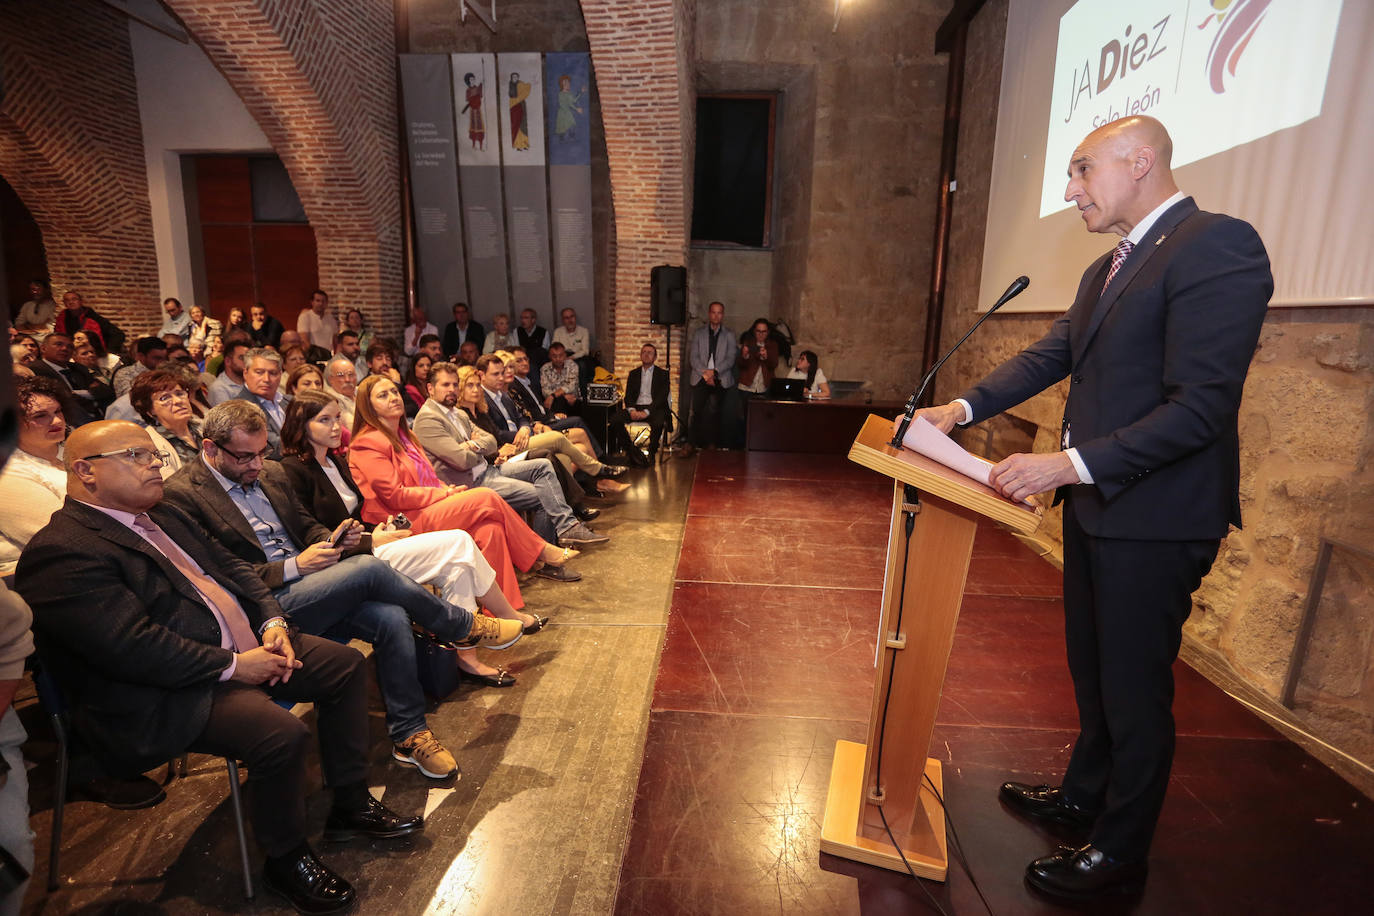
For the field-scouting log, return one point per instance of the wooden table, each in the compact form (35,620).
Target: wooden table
(818,427)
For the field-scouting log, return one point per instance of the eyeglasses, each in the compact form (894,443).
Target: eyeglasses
(167,397)
(245,457)
(140,456)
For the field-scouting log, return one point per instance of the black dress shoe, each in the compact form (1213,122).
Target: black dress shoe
(1045,803)
(502,677)
(373,820)
(308,884)
(129,794)
(538,624)
(1079,874)
(585,513)
(611,470)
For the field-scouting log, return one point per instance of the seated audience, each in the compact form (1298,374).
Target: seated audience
(452,445)
(262,386)
(326,582)
(808,367)
(149,353)
(83,394)
(346,345)
(165,406)
(447,559)
(189,653)
(214,356)
(109,362)
(342,386)
(533,338)
(513,426)
(28,347)
(75,316)
(474,405)
(202,327)
(197,350)
(461,330)
(501,336)
(235,322)
(416,383)
(468,353)
(356,321)
(229,383)
(646,400)
(518,386)
(418,328)
(381,360)
(36,316)
(178,320)
(558,380)
(577,341)
(34,482)
(307,377)
(395,477)
(264,330)
(292,358)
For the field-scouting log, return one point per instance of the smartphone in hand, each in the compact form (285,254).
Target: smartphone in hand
(339,532)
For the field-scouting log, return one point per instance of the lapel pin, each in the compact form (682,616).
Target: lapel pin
(1160,241)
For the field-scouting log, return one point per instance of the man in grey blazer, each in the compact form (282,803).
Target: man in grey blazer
(449,439)
(1156,348)
(712,356)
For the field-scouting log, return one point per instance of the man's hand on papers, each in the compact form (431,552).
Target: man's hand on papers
(942,418)
(1020,477)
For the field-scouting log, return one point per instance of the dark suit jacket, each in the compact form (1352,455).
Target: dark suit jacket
(476,333)
(316,492)
(77,409)
(1156,369)
(659,393)
(527,402)
(195,491)
(504,433)
(129,637)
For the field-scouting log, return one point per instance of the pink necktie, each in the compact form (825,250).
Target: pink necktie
(225,607)
(1119,255)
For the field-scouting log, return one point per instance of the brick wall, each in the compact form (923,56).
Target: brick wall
(71,146)
(642,53)
(319,78)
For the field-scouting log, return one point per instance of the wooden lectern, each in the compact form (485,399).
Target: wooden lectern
(934,565)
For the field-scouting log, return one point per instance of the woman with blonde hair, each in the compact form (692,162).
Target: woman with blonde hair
(394,476)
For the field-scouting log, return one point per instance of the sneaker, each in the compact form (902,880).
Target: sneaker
(424,752)
(491,633)
(580,534)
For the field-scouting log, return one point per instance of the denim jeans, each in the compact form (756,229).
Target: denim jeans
(361,597)
(531,485)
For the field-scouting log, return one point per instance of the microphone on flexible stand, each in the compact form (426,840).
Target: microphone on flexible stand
(1017,287)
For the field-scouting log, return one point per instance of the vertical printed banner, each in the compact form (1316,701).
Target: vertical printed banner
(425,92)
(527,210)
(567,83)
(475,103)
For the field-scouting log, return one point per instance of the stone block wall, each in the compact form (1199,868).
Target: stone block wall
(1307,440)
(72,149)
(319,77)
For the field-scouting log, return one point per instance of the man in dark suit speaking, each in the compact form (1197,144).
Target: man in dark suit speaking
(166,643)
(1156,347)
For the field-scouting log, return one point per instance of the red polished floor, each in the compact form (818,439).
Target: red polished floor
(768,661)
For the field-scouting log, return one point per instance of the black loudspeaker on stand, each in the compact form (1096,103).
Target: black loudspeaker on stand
(668,297)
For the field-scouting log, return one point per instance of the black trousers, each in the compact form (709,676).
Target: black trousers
(246,724)
(708,413)
(1124,604)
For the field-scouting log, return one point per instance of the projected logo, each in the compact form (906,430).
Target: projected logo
(1115,59)
(1236,24)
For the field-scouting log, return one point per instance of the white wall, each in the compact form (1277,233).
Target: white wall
(186,107)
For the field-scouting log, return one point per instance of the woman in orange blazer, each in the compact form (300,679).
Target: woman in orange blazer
(395,477)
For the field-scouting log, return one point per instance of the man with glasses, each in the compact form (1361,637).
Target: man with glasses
(262,386)
(328,583)
(341,383)
(188,652)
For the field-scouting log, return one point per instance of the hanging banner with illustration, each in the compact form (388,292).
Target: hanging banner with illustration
(426,92)
(567,98)
(527,214)
(476,100)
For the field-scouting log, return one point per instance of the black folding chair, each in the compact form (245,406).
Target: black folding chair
(53,700)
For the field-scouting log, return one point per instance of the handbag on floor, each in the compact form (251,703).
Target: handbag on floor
(436,663)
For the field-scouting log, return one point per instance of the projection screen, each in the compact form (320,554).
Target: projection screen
(1270,104)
